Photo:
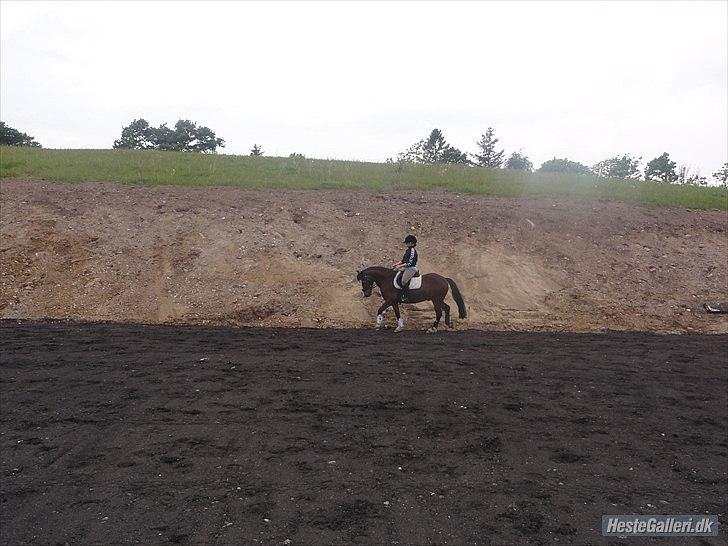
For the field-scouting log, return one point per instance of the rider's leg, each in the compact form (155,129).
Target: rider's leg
(407,275)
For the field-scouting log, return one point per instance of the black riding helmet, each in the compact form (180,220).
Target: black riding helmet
(410,239)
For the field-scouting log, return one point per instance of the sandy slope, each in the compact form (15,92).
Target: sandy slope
(289,258)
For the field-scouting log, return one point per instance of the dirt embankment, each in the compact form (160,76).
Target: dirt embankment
(289,258)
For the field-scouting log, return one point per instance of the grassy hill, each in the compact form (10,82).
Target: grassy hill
(187,169)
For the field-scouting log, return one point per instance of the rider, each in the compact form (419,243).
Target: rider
(408,264)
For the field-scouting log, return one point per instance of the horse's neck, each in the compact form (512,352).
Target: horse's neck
(379,274)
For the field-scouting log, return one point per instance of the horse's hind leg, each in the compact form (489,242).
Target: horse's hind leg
(446,307)
(438,315)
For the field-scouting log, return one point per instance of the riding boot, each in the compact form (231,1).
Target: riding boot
(405,294)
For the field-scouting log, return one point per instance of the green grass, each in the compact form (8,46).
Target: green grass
(186,169)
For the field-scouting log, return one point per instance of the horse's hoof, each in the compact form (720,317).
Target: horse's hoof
(431,330)
(398,329)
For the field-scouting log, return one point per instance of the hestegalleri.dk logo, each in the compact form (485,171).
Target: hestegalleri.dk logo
(678,525)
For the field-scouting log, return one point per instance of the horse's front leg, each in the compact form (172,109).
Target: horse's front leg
(380,313)
(400,320)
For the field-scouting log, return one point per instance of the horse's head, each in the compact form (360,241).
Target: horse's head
(367,284)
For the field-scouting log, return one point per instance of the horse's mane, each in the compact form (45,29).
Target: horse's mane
(378,269)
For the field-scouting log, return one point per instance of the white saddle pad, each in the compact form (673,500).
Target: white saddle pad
(415,282)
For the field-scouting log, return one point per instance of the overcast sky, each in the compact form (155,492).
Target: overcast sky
(346,80)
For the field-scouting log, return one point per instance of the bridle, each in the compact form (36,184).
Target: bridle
(367,283)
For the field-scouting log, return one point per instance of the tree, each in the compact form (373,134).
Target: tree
(207,141)
(684,176)
(257,150)
(661,169)
(433,149)
(163,139)
(138,135)
(625,167)
(519,162)
(186,136)
(564,166)
(413,154)
(488,156)
(721,176)
(296,155)
(455,156)
(13,137)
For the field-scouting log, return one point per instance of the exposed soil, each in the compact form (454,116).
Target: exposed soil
(102,251)
(149,434)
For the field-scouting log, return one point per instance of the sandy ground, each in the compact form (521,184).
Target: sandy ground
(199,435)
(102,251)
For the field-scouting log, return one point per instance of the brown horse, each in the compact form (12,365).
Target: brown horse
(434,288)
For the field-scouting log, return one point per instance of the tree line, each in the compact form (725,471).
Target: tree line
(187,136)
(435,149)
(13,137)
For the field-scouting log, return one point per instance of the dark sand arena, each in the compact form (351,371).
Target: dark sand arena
(150,434)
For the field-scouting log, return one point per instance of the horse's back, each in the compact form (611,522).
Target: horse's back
(433,280)
(433,277)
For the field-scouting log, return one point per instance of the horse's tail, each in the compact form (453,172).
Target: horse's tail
(458,297)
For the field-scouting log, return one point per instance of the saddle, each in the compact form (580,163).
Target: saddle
(414,284)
